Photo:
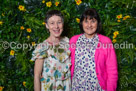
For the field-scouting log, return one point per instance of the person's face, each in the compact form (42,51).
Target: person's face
(55,26)
(89,27)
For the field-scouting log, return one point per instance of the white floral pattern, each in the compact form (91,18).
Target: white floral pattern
(56,68)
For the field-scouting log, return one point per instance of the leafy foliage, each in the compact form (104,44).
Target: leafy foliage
(17,68)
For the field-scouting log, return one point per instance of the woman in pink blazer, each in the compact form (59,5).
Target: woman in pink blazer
(93,58)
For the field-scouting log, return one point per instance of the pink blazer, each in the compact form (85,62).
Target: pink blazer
(105,62)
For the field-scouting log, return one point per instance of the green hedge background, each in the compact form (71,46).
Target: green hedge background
(22,22)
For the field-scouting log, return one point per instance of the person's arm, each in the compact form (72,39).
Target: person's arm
(37,74)
(112,70)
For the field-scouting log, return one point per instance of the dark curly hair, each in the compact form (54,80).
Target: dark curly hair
(53,12)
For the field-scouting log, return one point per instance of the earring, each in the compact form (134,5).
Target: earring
(47,31)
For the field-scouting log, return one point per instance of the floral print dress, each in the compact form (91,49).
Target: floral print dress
(85,78)
(56,67)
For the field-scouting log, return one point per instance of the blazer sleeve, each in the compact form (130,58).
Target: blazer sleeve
(72,59)
(112,71)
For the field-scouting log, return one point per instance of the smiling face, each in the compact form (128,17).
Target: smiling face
(89,27)
(55,26)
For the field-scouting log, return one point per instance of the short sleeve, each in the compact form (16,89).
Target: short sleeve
(40,52)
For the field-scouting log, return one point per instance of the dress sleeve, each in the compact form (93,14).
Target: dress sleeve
(40,52)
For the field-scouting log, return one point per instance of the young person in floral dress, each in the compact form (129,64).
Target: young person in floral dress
(94,66)
(52,62)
